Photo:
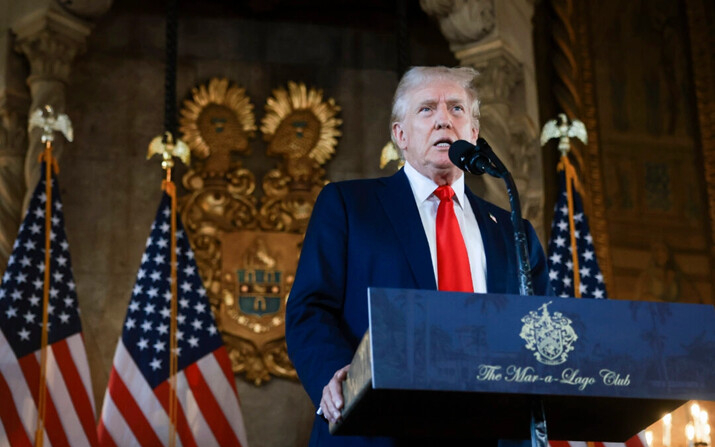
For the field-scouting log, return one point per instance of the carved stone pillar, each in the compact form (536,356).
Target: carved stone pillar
(50,39)
(495,38)
(13,124)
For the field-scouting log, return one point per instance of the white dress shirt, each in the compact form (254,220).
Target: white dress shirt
(427,204)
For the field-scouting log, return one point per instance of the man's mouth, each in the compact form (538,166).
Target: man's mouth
(443,143)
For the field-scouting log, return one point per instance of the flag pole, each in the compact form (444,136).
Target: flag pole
(46,119)
(165,145)
(564,132)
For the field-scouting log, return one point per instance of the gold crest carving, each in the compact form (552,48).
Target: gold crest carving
(303,129)
(248,253)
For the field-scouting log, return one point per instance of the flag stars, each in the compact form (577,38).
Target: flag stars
(200,308)
(130,323)
(189,270)
(553,275)
(578,217)
(167,295)
(29,317)
(186,287)
(69,302)
(159,259)
(65,245)
(563,225)
(159,346)
(141,273)
(567,281)
(569,265)
(54,292)
(6,277)
(25,261)
(162,329)
(599,277)
(61,261)
(598,293)
(39,213)
(24,334)
(589,239)
(555,258)
(146,326)
(162,243)
(212,329)
(149,309)
(38,283)
(196,324)
(153,292)
(193,341)
(181,318)
(34,300)
(64,317)
(165,227)
(57,276)
(155,364)
(184,303)
(134,306)
(35,228)
(585,272)
(142,344)
(29,245)
(16,295)
(11,312)
(137,290)
(583,288)
(588,255)
(560,241)
(21,278)
(155,275)
(165,312)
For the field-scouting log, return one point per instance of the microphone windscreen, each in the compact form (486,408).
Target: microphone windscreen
(458,150)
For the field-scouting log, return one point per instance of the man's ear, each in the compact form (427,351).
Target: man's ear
(399,135)
(475,134)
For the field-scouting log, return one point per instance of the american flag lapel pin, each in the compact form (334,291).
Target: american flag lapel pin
(491,216)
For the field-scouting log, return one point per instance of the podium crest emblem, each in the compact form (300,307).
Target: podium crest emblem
(551,337)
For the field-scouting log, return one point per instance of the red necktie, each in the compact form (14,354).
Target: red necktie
(452,261)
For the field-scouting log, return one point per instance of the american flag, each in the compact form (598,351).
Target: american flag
(69,416)
(638,440)
(561,275)
(136,404)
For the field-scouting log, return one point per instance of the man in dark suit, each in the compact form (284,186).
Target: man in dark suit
(420,228)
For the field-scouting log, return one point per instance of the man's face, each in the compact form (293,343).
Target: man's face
(437,115)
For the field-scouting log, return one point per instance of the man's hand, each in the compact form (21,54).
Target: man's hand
(332,401)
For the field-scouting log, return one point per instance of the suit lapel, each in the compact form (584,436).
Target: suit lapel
(399,205)
(493,242)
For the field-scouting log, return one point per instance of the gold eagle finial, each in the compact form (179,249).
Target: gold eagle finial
(46,119)
(563,131)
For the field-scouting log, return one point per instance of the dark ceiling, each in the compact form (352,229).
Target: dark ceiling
(371,14)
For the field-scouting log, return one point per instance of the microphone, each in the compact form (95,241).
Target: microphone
(476,159)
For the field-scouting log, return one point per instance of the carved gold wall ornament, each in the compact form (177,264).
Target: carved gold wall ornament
(217,120)
(303,129)
(247,254)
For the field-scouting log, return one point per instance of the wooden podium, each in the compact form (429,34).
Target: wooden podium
(469,366)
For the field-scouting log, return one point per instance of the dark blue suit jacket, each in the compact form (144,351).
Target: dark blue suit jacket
(368,233)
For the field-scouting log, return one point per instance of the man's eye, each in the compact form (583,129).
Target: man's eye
(459,108)
(425,109)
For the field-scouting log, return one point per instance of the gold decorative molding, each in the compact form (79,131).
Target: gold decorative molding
(590,160)
(702,43)
(302,128)
(246,254)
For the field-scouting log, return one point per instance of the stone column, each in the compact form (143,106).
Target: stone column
(495,37)
(50,39)
(13,138)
